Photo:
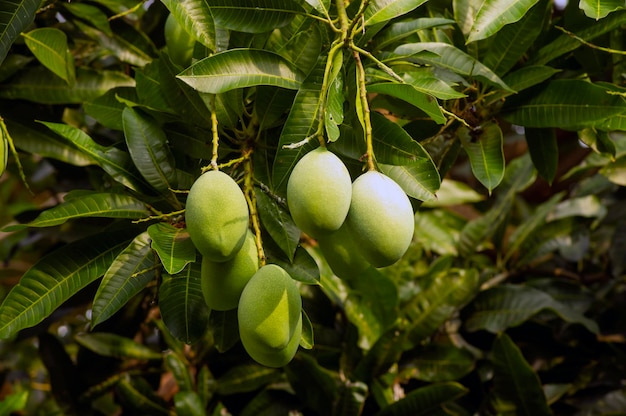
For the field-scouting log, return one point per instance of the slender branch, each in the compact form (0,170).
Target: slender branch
(366,111)
(4,135)
(127,12)
(591,45)
(248,191)
(215,133)
(378,63)
(159,216)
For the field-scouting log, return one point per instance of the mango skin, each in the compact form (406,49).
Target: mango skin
(179,43)
(381,218)
(223,282)
(217,215)
(342,253)
(270,316)
(318,192)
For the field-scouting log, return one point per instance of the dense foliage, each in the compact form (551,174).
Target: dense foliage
(502,120)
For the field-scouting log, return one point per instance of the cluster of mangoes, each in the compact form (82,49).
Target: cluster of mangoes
(268,302)
(357,224)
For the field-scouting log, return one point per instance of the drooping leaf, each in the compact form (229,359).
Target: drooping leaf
(598,9)
(239,68)
(411,95)
(484,146)
(173,245)
(523,78)
(224,327)
(15,18)
(308,337)
(508,305)
(314,385)
(453,192)
(182,304)
(564,103)
(196,18)
(544,151)
(97,204)
(113,345)
(137,394)
(300,42)
(56,277)
(380,11)
(129,273)
(278,223)
(425,400)
(189,403)
(175,364)
(303,268)
(260,16)
(442,362)
(438,230)
(451,58)
(426,81)
(494,14)
(245,378)
(36,85)
(147,145)
(107,108)
(515,382)
(49,45)
(398,31)
(92,14)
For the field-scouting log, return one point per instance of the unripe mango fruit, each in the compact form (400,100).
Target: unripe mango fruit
(216,214)
(381,218)
(270,316)
(342,253)
(318,192)
(223,282)
(179,42)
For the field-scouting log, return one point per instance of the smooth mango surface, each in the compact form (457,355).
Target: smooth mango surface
(318,192)
(380,218)
(223,282)
(216,214)
(342,253)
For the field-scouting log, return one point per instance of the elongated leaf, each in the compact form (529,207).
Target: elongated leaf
(523,78)
(113,345)
(136,394)
(16,16)
(239,68)
(173,245)
(597,9)
(4,146)
(115,162)
(189,403)
(315,386)
(303,268)
(448,57)
(36,85)
(398,31)
(196,18)
(92,14)
(100,204)
(257,17)
(544,151)
(424,80)
(351,399)
(425,401)
(300,42)
(411,95)
(486,154)
(107,109)
(49,45)
(511,43)
(278,223)
(129,273)
(380,11)
(505,306)
(516,383)
(494,14)
(245,378)
(182,304)
(224,327)
(438,231)
(567,104)
(148,148)
(56,277)
(441,362)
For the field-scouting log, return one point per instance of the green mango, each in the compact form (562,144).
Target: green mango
(270,316)
(381,218)
(217,216)
(223,282)
(318,192)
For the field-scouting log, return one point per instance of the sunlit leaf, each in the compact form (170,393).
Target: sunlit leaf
(113,345)
(598,9)
(380,11)
(49,45)
(173,245)
(411,95)
(494,14)
(398,31)
(195,17)
(484,146)
(257,17)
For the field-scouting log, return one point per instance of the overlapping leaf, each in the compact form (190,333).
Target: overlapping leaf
(15,18)
(597,9)
(380,11)
(195,17)
(493,15)
(257,17)
(49,45)
(113,345)
(484,146)
(425,400)
(173,245)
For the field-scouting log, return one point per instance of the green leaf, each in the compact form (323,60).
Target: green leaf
(257,17)
(426,400)
(239,68)
(544,151)
(246,378)
(449,57)
(300,42)
(278,223)
(439,230)
(442,362)
(36,85)
(411,95)
(129,273)
(173,245)
(97,204)
(136,394)
(380,11)
(196,18)
(426,81)
(508,305)
(56,277)
(352,398)
(189,403)
(398,31)
(113,345)
(115,162)
(315,386)
(453,192)
(598,141)
(91,14)
(512,41)
(308,340)
(564,103)
(494,14)
(16,16)
(148,148)
(224,327)
(484,146)
(597,9)
(523,78)
(333,117)
(49,45)
(107,109)
(14,402)
(175,364)
(303,268)
(515,382)
(182,304)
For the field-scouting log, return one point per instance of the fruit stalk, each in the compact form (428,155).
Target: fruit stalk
(215,139)
(371,165)
(248,191)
